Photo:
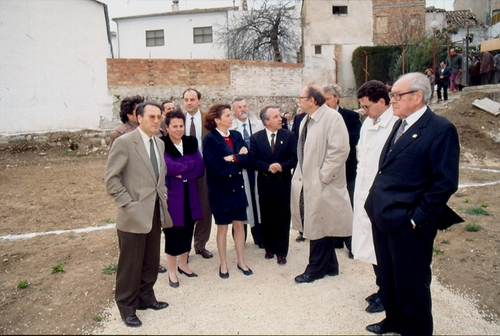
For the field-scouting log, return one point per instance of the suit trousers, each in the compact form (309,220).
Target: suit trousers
(275,216)
(444,87)
(137,270)
(322,258)
(404,274)
(203,226)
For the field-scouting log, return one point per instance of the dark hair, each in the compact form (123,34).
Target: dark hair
(166,102)
(215,111)
(142,106)
(316,93)
(190,89)
(128,105)
(175,114)
(374,90)
(263,112)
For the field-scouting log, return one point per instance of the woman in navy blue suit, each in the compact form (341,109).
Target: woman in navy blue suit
(225,154)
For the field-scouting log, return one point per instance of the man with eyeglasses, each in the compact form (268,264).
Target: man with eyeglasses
(320,204)
(135,178)
(374,99)
(417,174)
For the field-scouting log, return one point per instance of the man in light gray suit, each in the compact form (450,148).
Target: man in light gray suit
(135,177)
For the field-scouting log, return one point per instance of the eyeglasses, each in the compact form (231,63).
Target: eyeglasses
(366,107)
(397,96)
(300,97)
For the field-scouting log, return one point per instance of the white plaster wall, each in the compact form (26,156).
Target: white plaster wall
(52,66)
(333,32)
(178,30)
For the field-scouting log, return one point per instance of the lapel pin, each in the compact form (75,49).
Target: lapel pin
(281,142)
(414,136)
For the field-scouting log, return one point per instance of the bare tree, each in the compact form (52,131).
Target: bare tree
(268,34)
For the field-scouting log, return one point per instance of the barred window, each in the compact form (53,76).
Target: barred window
(155,38)
(202,35)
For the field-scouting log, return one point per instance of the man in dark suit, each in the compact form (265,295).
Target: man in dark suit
(273,151)
(353,123)
(443,80)
(417,174)
(191,98)
(135,177)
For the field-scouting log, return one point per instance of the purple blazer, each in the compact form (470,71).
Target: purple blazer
(190,167)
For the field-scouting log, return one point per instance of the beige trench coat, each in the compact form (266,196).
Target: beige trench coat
(327,208)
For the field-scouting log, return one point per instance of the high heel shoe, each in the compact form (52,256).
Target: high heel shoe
(173,284)
(189,275)
(246,272)
(223,275)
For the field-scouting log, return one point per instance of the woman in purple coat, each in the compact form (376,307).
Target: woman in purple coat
(184,166)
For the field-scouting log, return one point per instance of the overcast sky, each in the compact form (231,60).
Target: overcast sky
(120,8)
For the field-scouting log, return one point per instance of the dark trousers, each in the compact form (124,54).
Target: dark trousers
(204,225)
(444,87)
(404,272)
(275,216)
(322,257)
(138,267)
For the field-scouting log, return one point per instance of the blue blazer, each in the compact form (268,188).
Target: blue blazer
(416,177)
(226,189)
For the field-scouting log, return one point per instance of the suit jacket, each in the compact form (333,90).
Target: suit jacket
(285,153)
(130,179)
(446,73)
(416,177)
(353,124)
(296,124)
(226,188)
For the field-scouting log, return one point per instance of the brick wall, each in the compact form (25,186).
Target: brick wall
(260,83)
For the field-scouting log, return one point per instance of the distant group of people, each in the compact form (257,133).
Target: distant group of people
(482,69)
(379,187)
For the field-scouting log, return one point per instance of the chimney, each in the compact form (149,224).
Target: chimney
(175,5)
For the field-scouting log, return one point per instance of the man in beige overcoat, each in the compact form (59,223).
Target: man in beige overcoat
(135,177)
(319,192)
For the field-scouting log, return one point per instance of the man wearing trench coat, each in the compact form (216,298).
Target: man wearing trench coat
(319,183)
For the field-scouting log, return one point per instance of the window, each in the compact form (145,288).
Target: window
(317,50)
(202,35)
(339,10)
(155,38)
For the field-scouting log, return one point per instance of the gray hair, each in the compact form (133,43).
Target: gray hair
(417,81)
(237,99)
(263,113)
(333,89)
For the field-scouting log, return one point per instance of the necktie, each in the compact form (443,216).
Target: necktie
(400,131)
(376,121)
(192,129)
(272,142)
(246,136)
(303,138)
(152,155)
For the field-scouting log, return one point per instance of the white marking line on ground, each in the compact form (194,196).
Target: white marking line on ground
(482,184)
(34,234)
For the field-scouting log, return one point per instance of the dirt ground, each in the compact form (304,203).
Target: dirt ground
(45,191)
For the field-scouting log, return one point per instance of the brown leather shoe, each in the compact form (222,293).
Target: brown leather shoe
(269,255)
(205,253)
(281,260)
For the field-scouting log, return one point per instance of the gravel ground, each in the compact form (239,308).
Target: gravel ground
(270,302)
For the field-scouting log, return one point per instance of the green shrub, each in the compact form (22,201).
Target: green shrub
(23,284)
(58,268)
(473,227)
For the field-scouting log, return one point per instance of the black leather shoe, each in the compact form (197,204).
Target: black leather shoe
(304,277)
(300,238)
(173,284)
(281,260)
(189,275)
(246,272)
(375,306)
(132,321)
(223,275)
(162,269)
(333,273)
(371,298)
(158,305)
(351,256)
(205,253)
(379,328)
(269,255)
